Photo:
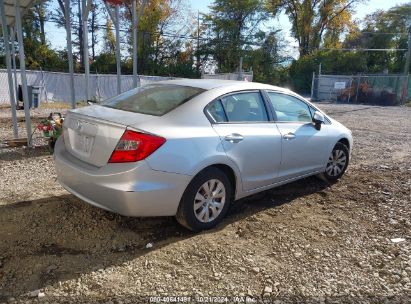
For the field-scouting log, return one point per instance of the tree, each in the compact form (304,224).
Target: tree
(153,24)
(40,12)
(170,49)
(2,50)
(78,30)
(268,65)
(105,63)
(332,62)
(95,11)
(232,26)
(109,38)
(38,53)
(383,30)
(313,19)
(161,29)
(57,16)
(31,26)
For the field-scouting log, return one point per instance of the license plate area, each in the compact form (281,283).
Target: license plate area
(83,143)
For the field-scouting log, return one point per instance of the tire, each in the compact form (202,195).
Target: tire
(198,209)
(337,163)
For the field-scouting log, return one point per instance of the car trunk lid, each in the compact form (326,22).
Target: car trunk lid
(92,133)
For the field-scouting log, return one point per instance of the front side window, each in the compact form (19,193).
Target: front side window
(244,107)
(153,99)
(289,108)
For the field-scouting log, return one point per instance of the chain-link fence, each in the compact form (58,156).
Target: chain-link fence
(364,89)
(54,86)
(244,76)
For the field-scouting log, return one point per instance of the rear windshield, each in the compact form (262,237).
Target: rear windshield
(153,99)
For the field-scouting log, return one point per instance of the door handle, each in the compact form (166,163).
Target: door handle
(289,136)
(234,138)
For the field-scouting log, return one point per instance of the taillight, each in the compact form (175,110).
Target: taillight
(134,146)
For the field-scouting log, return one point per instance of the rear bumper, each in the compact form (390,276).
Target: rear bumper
(130,189)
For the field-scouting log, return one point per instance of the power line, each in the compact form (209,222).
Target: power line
(170,34)
(395,14)
(365,50)
(380,33)
(205,39)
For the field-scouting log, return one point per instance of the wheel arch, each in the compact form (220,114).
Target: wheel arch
(345,141)
(231,172)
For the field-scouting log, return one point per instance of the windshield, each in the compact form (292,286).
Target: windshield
(153,99)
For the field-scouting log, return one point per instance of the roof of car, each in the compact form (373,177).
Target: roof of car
(209,84)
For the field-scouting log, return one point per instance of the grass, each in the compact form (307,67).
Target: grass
(55,105)
(59,105)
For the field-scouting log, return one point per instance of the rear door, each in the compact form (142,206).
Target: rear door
(304,148)
(248,137)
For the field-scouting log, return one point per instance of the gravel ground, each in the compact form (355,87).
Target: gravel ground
(305,242)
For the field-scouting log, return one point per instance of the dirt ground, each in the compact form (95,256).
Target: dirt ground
(306,242)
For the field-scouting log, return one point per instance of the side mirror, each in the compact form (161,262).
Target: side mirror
(318,120)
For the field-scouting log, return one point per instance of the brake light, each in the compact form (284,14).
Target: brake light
(134,146)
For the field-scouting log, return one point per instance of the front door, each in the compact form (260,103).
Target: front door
(304,148)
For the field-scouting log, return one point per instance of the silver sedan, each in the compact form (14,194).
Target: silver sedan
(188,148)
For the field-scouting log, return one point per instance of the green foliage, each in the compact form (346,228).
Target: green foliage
(42,56)
(180,64)
(265,61)
(232,28)
(332,62)
(167,43)
(104,63)
(155,17)
(109,38)
(314,21)
(159,52)
(374,35)
(38,53)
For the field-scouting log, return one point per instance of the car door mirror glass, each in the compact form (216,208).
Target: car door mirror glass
(318,119)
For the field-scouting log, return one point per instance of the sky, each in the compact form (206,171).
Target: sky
(362,9)
(57,36)
(283,23)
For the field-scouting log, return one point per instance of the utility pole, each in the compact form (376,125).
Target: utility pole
(4,27)
(23,75)
(86,5)
(116,21)
(406,70)
(134,17)
(67,14)
(240,74)
(198,42)
(408,58)
(118,53)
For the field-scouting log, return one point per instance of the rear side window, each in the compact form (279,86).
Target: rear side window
(155,99)
(244,107)
(216,111)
